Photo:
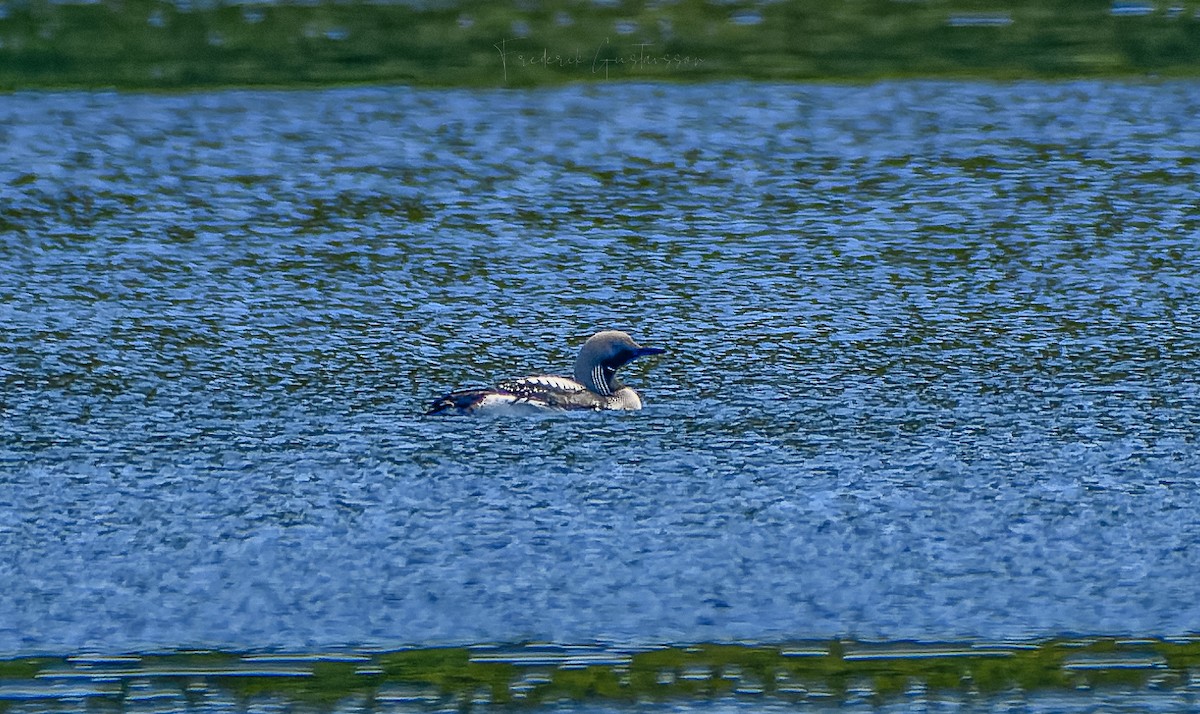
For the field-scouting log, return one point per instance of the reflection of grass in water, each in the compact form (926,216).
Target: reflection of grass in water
(148,43)
(24,668)
(838,670)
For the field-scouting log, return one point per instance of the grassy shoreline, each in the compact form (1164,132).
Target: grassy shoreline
(150,44)
(467,678)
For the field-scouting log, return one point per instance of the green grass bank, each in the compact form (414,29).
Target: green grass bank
(468,678)
(150,44)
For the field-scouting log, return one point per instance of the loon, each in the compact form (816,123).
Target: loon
(595,385)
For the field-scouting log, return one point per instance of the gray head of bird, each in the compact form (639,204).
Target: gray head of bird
(602,355)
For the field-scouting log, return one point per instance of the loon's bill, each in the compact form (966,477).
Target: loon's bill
(594,387)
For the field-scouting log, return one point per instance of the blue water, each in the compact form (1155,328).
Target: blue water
(931,368)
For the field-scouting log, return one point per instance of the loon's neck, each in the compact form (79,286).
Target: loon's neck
(597,378)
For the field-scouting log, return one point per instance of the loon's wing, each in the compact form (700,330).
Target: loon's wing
(525,395)
(470,401)
(552,392)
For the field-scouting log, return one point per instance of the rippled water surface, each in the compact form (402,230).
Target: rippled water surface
(931,373)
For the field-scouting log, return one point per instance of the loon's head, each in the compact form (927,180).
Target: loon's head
(602,355)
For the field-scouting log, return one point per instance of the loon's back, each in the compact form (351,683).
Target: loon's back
(533,394)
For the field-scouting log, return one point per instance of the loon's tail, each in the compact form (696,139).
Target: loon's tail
(463,401)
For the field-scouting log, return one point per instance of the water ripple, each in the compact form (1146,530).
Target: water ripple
(930,369)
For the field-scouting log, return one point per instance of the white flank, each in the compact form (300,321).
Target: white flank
(508,404)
